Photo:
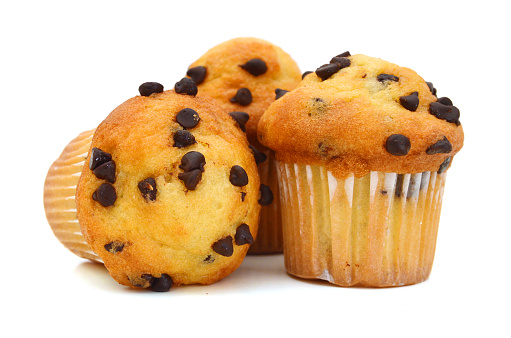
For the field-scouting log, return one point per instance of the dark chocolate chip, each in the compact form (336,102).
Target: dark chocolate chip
(224,246)
(243,96)
(148,189)
(325,71)
(105,195)
(238,176)
(341,61)
(399,185)
(442,146)
(162,284)
(306,73)
(241,118)
(106,171)
(443,112)
(445,101)
(193,160)
(431,88)
(259,156)
(243,235)
(243,195)
(186,86)
(280,92)
(265,195)
(190,178)
(410,102)
(144,281)
(387,77)
(398,145)
(209,259)
(343,55)
(255,67)
(197,74)
(149,88)
(445,164)
(114,247)
(98,157)
(183,138)
(188,118)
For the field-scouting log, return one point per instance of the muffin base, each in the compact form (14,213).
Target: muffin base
(59,196)
(378,230)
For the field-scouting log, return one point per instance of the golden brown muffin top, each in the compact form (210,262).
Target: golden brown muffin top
(171,203)
(242,75)
(359,114)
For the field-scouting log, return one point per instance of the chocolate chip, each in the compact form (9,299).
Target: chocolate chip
(445,164)
(343,55)
(341,61)
(106,171)
(148,189)
(162,284)
(243,195)
(197,74)
(243,96)
(114,247)
(410,102)
(186,86)
(188,118)
(191,178)
(280,92)
(255,67)
(148,88)
(105,195)
(431,88)
(443,112)
(209,259)
(241,118)
(387,77)
(442,146)
(398,145)
(445,101)
(266,196)
(259,156)
(238,176)
(98,157)
(325,71)
(224,246)
(143,281)
(243,235)
(306,73)
(183,138)
(193,160)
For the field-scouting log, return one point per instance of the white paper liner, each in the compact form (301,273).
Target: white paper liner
(378,230)
(269,235)
(59,196)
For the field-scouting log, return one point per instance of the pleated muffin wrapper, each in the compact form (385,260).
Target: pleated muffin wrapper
(59,196)
(378,230)
(269,236)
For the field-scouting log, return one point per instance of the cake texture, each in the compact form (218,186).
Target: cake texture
(244,76)
(169,193)
(363,147)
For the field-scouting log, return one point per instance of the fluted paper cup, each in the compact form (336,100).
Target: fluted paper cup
(378,230)
(59,196)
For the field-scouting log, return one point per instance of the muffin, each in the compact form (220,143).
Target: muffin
(244,76)
(169,191)
(363,147)
(59,196)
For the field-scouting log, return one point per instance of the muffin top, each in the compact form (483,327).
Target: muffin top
(359,114)
(245,75)
(169,191)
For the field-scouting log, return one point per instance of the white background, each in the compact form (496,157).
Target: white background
(66,64)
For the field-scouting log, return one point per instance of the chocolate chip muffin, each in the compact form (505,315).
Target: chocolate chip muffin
(169,193)
(363,147)
(244,76)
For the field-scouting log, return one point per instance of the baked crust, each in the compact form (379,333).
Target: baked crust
(343,122)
